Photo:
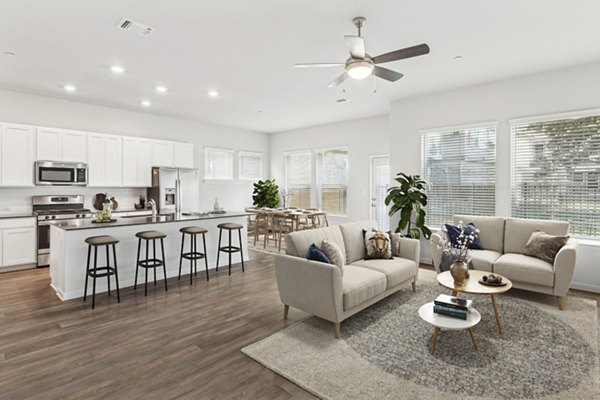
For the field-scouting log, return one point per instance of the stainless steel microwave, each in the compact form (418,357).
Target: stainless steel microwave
(60,173)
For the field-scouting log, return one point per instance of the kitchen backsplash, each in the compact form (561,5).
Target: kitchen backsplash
(18,200)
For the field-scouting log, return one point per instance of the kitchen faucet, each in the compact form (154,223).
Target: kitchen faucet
(153,205)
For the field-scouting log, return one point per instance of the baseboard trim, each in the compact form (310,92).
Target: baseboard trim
(428,261)
(585,286)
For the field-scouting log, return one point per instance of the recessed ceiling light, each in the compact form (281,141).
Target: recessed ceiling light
(117,69)
(458,58)
(213,93)
(9,54)
(161,89)
(146,103)
(70,88)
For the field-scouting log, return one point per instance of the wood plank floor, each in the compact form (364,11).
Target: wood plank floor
(180,344)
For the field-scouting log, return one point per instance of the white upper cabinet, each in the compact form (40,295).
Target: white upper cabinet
(183,155)
(74,146)
(105,160)
(61,145)
(137,162)
(162,153)
(145,163)
(18,153)
(95,159)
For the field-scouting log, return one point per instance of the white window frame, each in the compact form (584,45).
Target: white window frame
(317,180)
(259,155)
(207,151)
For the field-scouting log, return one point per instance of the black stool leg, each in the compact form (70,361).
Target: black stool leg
(195,236)
(94,277)
(162,250)
(137,263)
(108,269)
(192,250)
(181,254)
(116,273)
(205,255)
(241,251)
(229,251)
(87,271)
(219,249)
(146,281)
(154,257)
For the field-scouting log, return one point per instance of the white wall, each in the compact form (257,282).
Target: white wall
(553,92)
(37,110)
(363,137)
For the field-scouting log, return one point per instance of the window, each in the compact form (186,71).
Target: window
(250,165)
(332,180)
(218,163)
(460,166)
(555,171)
(298,178)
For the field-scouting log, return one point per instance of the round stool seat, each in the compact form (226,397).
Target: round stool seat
(193,230)
(229,226)
(101,240)
(150,235)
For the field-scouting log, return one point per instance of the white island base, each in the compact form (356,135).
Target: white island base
(68,254)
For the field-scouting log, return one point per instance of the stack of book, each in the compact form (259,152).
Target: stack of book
(451,306)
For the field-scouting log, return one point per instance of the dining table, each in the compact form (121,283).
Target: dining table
(299,218)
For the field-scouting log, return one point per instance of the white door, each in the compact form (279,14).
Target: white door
(183,155)
(18,246)
(145,163)
(380,182)
(74,146)
(95,160)
(113,161)
(48,144)
(130,162)
(162,153)
(18,152)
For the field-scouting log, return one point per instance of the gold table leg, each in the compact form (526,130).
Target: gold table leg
(436,333)
(497,313)
(472,338)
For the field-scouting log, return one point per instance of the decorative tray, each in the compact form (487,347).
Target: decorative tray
(104,221)
(503,283)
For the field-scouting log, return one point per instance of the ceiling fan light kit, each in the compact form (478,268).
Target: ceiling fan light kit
(361,65)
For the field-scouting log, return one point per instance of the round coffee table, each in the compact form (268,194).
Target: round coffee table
(448,323)
(472,286)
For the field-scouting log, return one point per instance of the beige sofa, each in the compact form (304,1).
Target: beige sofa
(504,241)
(321,289)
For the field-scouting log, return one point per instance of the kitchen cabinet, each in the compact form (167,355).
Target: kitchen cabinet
(137,162)
(95,159)
(17,148)
(183,155)
(61,145)
(145,163)
(105,160)
(162,153)
(18,241)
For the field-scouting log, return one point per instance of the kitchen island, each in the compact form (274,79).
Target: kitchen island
(68,253)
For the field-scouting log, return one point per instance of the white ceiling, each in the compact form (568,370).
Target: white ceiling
(246,50)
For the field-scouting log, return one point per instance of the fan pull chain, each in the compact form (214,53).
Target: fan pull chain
(374,84)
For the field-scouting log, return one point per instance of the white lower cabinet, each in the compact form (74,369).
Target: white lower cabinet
(18,241)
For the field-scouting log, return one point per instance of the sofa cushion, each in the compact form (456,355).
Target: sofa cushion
(521,268)
(467,230)
(314,253)
(544,246)
(297,243)
(334,253)
(518,232)
(483,260)
(353,239)
(377,245)
(396,270)
(491,230)
(360,285)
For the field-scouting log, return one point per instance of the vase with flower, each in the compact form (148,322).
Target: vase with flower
(459,254)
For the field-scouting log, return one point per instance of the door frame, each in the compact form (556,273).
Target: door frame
(371,158)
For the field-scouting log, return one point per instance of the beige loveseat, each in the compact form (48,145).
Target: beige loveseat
(504,241)
(323,290)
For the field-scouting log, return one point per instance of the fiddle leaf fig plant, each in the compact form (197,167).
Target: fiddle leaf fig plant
(409,199)
(266,194)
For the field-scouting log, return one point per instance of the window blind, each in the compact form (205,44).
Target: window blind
(381,183)
(332,180)
(250,165)
(460,166)
(556,172)
(218,163)
(298,178)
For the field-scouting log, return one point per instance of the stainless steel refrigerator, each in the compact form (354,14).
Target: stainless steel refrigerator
(175,189)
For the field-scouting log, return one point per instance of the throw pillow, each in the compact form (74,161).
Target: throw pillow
(544,246)
(316,254)
(377,245)
(395,238)
(334,253)
(454,232)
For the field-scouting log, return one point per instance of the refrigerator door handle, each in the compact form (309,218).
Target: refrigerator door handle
(179,194)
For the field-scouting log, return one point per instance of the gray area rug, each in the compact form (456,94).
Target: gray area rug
(384,352)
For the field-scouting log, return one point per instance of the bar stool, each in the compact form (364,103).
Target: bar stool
(193,255)
(230,249)
(150,262)
(103,271)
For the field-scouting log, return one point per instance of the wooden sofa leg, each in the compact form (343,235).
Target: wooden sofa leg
(336,329)
(286,308)
(414,287)
(561,302)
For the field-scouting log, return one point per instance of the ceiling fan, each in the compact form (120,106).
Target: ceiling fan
(360,64)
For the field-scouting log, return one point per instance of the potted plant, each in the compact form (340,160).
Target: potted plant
(409,199)
(266,194)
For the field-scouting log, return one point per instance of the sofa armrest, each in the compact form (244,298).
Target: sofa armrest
(564,267)
(437,248)
(411,250)
(310,286)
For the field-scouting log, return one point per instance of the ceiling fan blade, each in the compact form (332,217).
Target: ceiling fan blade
(387,74)
(318,65)
(356,46)
(401,54)
(337,81)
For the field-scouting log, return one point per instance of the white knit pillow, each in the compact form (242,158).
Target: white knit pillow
(334,253)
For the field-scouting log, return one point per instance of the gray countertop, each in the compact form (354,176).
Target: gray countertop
(18,215)
(144,220)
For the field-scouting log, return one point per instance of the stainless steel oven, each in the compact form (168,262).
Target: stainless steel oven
(60,173)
